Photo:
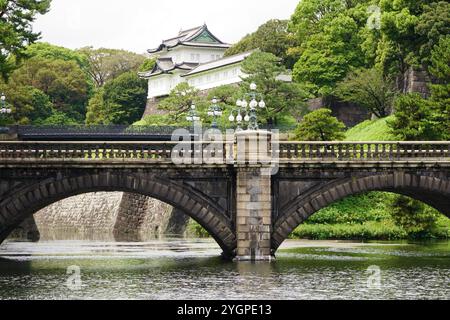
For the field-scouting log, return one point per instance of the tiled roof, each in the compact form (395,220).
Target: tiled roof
(166,65)
(219,63)
(186,36)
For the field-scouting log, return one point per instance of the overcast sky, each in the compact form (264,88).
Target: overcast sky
(137,25)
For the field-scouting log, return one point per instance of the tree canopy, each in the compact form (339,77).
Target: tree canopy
(120,101)
(273,37)
(320,125)
(264,69)
(16,33)
(107,64)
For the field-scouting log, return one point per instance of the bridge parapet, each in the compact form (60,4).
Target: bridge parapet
(363,150)
(225,151)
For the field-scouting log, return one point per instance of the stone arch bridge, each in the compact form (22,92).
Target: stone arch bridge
(248,211)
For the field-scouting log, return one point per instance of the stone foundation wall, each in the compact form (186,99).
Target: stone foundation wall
(124,215)
(86,211)
(141,214)
(417,81)
(349,113)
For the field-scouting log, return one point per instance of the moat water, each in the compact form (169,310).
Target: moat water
(192,269)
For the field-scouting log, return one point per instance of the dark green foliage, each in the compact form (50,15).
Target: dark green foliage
(413,216)
(51,52)
(16,18)
(281,97)
(330,37)
(57,119)
(179,101)
(369,89)
(273,37)
(414,119)
(440,89)
(120,101)
(320,125)
(63,82)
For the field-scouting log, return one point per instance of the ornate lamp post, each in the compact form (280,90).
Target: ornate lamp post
(215,112)
(193,116)
(4,111)
(250,114)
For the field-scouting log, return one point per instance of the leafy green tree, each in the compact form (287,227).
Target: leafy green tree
(180,100)
(440,89)
(414,216)
(320,125)
(414,119)
(409,31)
(107,64)
(96,111)
(328,56)
(281,97)
(433,24)
(368,88)
(16,18)
(29,104)
(419,119)
(273,37)
(62,81)
(121,101)
(52,52)
(57,119)
(330,36)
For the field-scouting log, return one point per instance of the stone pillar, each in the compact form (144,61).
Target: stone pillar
(253,198)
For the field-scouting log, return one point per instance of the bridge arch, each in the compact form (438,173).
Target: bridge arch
(33,197)
(434,191)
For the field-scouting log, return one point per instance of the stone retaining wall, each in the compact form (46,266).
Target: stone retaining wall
(126,215)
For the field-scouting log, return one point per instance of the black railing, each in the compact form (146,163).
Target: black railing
(108,132)
(96,132)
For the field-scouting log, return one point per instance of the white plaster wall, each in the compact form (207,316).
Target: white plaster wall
(217,77)
(163,84)
(189,54)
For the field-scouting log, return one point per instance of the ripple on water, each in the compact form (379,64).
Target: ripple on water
(184,269)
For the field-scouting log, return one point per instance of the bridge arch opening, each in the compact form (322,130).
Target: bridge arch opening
(432,191)
(25,202)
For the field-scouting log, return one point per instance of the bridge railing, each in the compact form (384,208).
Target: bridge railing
(159,151)
(285,151)
(363,150)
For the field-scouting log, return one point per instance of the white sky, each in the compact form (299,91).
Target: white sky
(138,25)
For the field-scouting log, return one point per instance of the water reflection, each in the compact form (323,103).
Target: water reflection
(192,269)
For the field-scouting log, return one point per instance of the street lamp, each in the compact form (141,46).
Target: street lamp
(215,112)
(239,118)
(251,113)
(4,110)
(192,115)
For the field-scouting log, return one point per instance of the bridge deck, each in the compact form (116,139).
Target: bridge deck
(222,152)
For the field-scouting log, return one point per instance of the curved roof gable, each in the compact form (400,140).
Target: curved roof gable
(166,65)
(199,36)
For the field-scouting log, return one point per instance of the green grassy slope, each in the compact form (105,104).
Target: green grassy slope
(371,130)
